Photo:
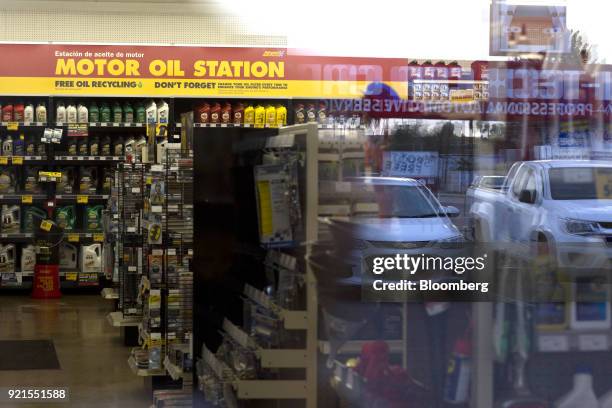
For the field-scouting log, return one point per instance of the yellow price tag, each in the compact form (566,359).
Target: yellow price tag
(98,237)
(149,180)
(12,125)
(73,237)
(71,276)
(4,160)
(26,199)
(50,174)
(82,199)
(46,225)
(18,160)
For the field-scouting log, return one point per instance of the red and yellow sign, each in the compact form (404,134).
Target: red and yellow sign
(47,69)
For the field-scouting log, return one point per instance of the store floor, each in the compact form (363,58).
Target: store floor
(92,357)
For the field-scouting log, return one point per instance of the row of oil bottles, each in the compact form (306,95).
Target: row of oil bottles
(87,258)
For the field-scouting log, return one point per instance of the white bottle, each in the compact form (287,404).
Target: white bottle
(82,114)
(593,312)
(41,113)
(60,113)
(71,113)
(582,395)
(163,111)
(606,400)
(28,113)
(151,113)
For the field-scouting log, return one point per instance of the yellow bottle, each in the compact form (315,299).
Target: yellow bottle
(271,116)
(281,116)
(260,116)
(249,115)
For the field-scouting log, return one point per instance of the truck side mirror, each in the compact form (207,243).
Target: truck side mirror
(527,196)
(451,211)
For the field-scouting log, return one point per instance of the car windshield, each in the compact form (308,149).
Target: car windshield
(580,183)
(406,202)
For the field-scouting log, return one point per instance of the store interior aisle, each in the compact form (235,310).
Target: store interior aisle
(92,357)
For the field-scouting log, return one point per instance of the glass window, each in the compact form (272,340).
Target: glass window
(574,183)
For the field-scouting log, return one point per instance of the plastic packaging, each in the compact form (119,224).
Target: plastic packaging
(594,313)
(28,113)
(82,114)
(128,113)
(41,113)
(270,116)
(260,116)
(65,217)
(105,112)
(151,113)
(19,112)
(117,113)
(163,112)
(7,112)
(19,145)
(249,115)
(458,375)
(203,113)
(71,113)
(7,146)
(28,258)
(215,113)
(582,394)
(94,113)
(68,257)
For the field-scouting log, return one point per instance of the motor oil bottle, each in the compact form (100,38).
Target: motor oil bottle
(582,394)
(311,113)
(71,113)
(117,113)
(19,112)
(31,184)
(28,258)
(106,146)
(7,258)
(93,218)
(60,113)
(260,116)
(11,218)
(215,113)
(94,112)
(107,181)
(82,114)
(28,113)
(238,114)
(128,113)
(429,74)
(270,116)
(68,257)
(118,147)
(163,112)
(203,113)
(151,113)
(105,112)
(281,116)
(41,149)
(88,182)
(94,146)
(91,258)
(7,112)
(130,144)
(31,216)
(41,113)
(30,147)
(65,217)
(19,145)
(249,115)
(82,147)
(139,148)
(73,147)
(300,114)
(65,185)
(140,113)
(226,113)
(6,181)
(322,114)
(7,146)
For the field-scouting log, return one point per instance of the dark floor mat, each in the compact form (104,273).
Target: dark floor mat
(28,355)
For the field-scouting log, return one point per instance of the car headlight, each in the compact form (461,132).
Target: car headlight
(579,227)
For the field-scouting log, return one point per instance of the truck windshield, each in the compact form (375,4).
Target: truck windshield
(580,183)
(406,202)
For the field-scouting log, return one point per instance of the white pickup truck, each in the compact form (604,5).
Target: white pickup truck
(559,207)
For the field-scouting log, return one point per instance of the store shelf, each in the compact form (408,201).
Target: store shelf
(355,346)
(574,340)
(20,159)
(17,236)
(174,371)
(142,372)
(74,197)
(270,389)
(109,294)
(341,127)
(117,319)
(106,124)
(25,124)
(292,319)
(90,159)
(227,125)
(22,197)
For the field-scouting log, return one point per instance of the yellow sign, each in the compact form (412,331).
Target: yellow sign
(73,237)
(4,160)
(26,199)
(50,174)
(82,199)
(18,160)
(12,125)
(603,179)
(71,276)
(46,225)
(98,237)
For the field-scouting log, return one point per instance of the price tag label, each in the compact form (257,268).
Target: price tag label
(82,199)
(98,237)
(4,160)
(71,276)
(18,160)
(73,238)
(12,125)
(46,225)
(26,199)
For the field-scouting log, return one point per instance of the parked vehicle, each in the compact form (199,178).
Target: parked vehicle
(558,207)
